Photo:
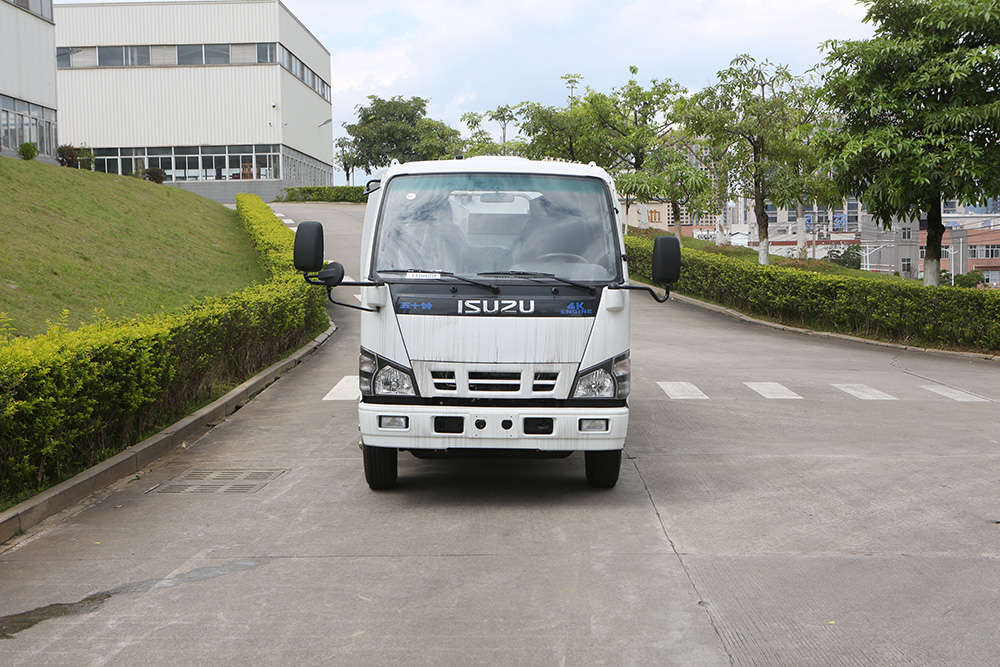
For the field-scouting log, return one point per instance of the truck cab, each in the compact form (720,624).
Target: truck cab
(495,301)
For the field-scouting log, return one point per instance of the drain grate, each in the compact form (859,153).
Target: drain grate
(228,481)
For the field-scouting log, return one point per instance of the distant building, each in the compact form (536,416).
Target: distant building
(971,240)
(225,96)
(27,77)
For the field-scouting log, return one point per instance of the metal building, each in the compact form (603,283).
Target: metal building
(27,77)
(225,96)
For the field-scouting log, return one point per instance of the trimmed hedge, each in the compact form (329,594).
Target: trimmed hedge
(70,399)
(338,193)
(894,311)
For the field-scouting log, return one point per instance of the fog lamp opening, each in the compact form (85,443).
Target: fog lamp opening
(393,422)
(593,425)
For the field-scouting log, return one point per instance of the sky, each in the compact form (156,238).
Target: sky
(468,55)
(464,55)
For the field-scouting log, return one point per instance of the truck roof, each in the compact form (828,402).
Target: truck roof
(497,164)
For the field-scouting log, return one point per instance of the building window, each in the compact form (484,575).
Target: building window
(110,56)
(216,54)
(41,8)
(190,54)
(904,265)
(906,234)
(267,52)
(136,56)
(22,122)
(984,251)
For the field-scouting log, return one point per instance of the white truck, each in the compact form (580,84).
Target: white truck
(495,301)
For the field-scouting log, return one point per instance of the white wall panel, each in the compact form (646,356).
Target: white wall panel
(302,112)
(27,56)
(303,44)
(171,106)
(167,23)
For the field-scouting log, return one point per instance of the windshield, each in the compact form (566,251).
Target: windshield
(496,224)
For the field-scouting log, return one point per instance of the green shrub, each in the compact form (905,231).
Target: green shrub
(28,151)
(895,311)
(66,155)
(69,399)
(335,193)
(85,157)
(154,174)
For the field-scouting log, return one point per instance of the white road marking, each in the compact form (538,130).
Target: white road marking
(954,394)
(346,390)
(864,392)
(772,390)
(681,390)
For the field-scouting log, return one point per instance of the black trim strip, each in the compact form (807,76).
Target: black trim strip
(549,403)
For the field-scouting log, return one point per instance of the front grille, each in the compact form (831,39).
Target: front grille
(500,381)
(545,382)
(444,380)
(484,381)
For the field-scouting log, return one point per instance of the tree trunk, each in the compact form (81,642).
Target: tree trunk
(800,229)
(721,238)
(760,212)
(675,209)
(932,255)
(642,214)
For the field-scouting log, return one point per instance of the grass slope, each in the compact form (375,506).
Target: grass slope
(85,241)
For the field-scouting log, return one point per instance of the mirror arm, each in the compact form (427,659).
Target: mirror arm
(645,288)
(329,296)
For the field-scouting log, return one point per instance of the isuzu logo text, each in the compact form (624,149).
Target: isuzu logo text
(495,306)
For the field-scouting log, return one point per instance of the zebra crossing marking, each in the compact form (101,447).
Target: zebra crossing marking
(346,390)
(772,390)
(954,394)
(864,392)
(682,390)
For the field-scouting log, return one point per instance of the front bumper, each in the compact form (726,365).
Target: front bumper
(541,429)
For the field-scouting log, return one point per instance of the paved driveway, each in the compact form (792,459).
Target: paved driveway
(787,500)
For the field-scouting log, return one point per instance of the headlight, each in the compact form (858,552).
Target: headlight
(381,377)
(610,379)
(595,384)
(390,380)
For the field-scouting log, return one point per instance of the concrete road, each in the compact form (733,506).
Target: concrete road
(787,500)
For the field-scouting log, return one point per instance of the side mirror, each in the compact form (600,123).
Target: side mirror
(332,275)
(308,254)
(666,260)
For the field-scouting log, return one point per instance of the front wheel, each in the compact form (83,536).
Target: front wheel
(380,466)
(603,467)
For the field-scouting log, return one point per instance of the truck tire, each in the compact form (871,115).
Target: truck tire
(603,467)
(380,466)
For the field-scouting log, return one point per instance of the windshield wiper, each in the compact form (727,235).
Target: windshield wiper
(538,274)
(477,283)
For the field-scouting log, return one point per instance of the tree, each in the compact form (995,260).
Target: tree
(503,115)
(398,129)
(635,129)
(920,107)
(564,133)
(344,156)
(750,116)
(849,257)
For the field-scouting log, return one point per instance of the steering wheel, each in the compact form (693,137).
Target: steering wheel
(566,256)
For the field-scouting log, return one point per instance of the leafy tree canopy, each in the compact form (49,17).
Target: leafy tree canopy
(920,108)
(756,117)
(398,129)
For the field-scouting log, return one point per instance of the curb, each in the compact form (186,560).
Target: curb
(735,314)
(22,516)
